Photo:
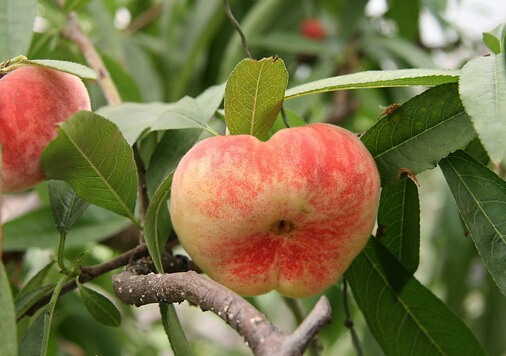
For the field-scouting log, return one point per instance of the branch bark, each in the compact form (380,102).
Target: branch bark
(260,334)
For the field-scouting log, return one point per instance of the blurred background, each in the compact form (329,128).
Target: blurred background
(164,50)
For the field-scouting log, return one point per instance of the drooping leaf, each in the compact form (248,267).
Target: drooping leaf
(177,338)
(254,96)
(376,79)
(16,25)
(9,345)
(419,133)
(36,229)
(66,205)
(169,151)
(91,155)
(157,225)
(134,118)
(481,199)
(185,114)
(399,222)
(99,306)
(482,89)
(404,316)
(77,69)
(494,38)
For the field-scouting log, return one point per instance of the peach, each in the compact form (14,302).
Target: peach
(289,214)
(33,100)
(312,28)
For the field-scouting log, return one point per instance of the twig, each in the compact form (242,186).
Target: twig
(259,334)
(348,322)
(237,27)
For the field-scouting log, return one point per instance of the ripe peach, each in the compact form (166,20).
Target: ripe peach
(312,28)
(33,100)
(288,214)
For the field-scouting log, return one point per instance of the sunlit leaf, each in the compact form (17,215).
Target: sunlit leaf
(404,316)
(481,198)
(377,79)
(254,96)
(482,89)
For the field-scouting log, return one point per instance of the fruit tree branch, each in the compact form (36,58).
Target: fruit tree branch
(259,334)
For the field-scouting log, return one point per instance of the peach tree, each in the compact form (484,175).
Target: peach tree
(110,172)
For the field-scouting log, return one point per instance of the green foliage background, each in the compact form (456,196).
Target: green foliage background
(168,53)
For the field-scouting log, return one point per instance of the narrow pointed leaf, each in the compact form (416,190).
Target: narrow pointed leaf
(177,338)
(77,69)
(377,79)
(31,343)
(66,205)
(26,301)
(254,95)
(404,316)
(399,221)
(481,199)
(419,133)
(8,333)
(482,88)
(37,280)
(100,307)
(91,155)
(210,100)
(157,225)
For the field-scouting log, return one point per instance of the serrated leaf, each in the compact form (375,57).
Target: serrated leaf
(16,24)
(8,346)
(91,155)
(66,205)
(100,307)
(399,222)
(177,338)
(481,199)
(134,118)
(419,133)
(157,224)
(185,114)
(494,38)
(169,151)
(482,89)
(404,316)
(376,79)
(254,96)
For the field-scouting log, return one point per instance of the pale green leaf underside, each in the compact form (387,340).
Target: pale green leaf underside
(254,95)
(376,79)
(77,69)
(481,198)
(482,89)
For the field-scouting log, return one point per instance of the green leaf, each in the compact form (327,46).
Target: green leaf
(185,114)
(8,346)
(36,229)
(169,151)
(210,100)
(376,79)
(26,301)
(481,196)
(177,338)
(31,343)
(404,316)
(482,89)
(99,306)
(419,133)
(406,15)
(66,205)
(494,38)
(16,24)
(254,96)
(91,155)
(399,222)
(77,69)
(36,281)
(134,118)
(157,225)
